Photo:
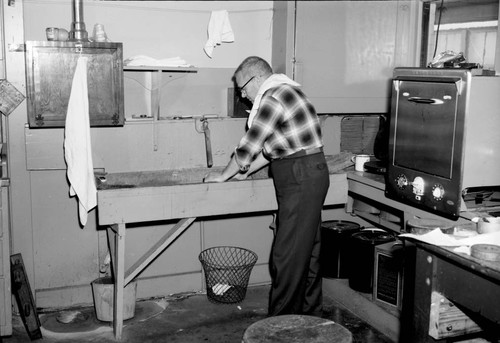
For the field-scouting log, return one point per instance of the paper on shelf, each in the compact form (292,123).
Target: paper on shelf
(142,60)
(437,237)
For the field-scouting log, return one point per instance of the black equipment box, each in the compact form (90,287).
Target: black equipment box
(388,274)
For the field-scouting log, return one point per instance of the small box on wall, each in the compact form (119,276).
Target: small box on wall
(10,97)
(237,106)
(388,274)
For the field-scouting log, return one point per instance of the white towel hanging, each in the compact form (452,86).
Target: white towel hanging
(77,145)
(219,31)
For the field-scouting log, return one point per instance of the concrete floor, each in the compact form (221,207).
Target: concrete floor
(186,318)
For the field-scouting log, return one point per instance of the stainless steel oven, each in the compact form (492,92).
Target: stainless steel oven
(444,137)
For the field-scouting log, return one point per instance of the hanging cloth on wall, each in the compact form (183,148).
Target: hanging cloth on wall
(219,31)
(77,145)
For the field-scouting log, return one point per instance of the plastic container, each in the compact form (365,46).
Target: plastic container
(362,256)
(102,290)
(335,238)
(227,271)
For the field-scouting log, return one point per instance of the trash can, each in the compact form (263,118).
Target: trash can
(227,271)
(362,255)
(335,238)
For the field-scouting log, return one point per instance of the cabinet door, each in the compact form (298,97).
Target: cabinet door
(50,67)
(345,51)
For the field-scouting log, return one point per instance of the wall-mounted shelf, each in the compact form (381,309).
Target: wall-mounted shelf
(375,219)
(161,69)
(156,82)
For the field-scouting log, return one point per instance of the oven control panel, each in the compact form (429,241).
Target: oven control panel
(424,191)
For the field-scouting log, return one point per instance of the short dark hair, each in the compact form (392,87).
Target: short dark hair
(254,65)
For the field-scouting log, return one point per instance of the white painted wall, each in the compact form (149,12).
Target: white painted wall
(61,258)
(162,29)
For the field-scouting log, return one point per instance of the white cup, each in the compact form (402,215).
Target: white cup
(359,162)
(488,225)
(52,33)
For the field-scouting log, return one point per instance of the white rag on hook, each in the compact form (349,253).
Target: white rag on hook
(219,31)
(77,148)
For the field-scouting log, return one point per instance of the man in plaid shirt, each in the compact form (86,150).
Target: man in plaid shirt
(284,130)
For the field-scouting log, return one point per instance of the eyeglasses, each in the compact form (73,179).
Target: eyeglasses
(242,88)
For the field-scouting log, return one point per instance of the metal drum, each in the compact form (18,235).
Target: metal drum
(363,245)
(335,235)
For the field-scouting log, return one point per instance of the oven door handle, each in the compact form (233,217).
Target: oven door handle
(429,101)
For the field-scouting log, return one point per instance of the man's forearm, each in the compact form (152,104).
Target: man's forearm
(259,162)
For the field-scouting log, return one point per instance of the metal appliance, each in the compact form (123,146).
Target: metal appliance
(444,137)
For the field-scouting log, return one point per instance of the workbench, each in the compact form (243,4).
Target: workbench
(125,198)
(471,284)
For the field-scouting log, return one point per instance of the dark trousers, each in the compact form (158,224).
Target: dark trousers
(301,185)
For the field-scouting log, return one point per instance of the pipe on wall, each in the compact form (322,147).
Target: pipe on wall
(78,31)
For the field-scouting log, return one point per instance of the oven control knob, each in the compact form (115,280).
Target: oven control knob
(438,192)
(401,181)
(418,186)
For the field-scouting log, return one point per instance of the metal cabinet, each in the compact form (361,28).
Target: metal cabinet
(50,67)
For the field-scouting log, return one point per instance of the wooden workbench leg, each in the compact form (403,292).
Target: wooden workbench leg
(416,309)
(117,246)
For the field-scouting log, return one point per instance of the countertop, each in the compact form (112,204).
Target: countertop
(370,179)
(376,181)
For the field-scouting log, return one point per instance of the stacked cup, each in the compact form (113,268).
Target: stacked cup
(56,34)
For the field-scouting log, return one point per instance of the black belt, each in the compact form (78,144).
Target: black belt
(301,153)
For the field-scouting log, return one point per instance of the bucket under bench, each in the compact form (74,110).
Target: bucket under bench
(135,197)
(465,282)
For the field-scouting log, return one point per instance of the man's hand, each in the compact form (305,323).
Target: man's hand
(228,172)
(214,177)
(240,176)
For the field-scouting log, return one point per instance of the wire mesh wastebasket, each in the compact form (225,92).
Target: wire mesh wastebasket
(227,271)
